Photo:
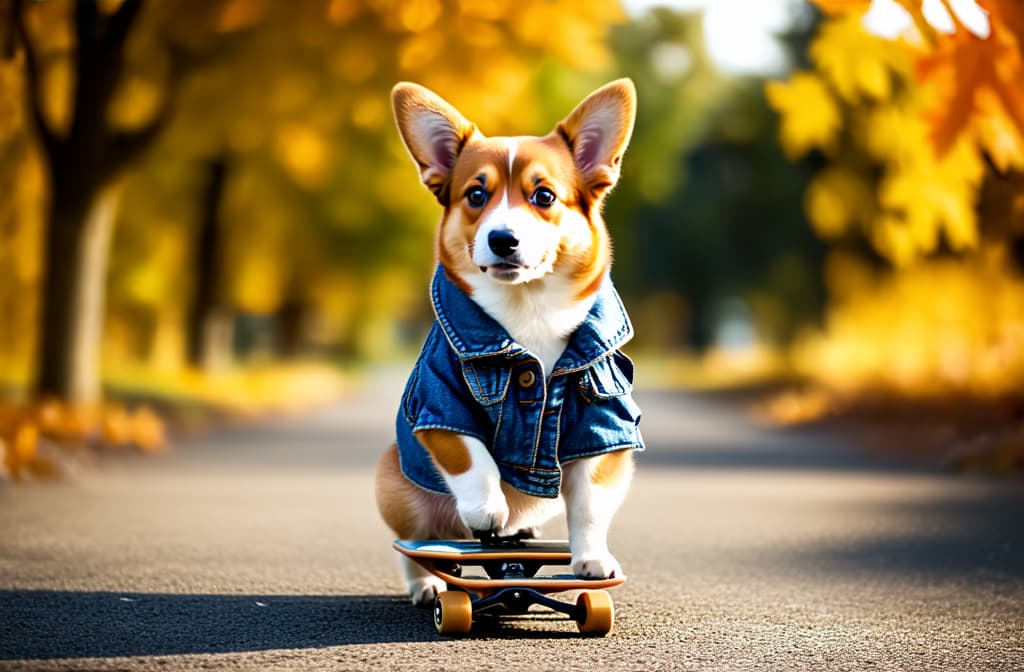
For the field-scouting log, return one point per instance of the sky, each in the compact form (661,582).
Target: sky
(740,34)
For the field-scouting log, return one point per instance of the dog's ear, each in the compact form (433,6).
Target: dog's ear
(433,131)
(598,131)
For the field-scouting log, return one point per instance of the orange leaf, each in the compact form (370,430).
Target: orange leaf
(26,439)
(1009,13)
(832,7)
(117,426)
(963,65)
(148,431)
(50,415)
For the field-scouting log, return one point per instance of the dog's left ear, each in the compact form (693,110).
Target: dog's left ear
(598,131)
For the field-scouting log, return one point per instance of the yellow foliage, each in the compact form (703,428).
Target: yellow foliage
(11,107)
(57,80)
(907,175)
(838,201)
(857,65)
(150,284)
(811,118)
(136,102)
(581,27)
(418,15)
(250,391)
(370,112)
(340,12)
(419,52)
(355,61)
(927,193)
(257,285)
(292,92)
(479,32)
(997,135)
(846,274)
(930,197)
(236,15)
(716,369)
(304,153)
(928,330)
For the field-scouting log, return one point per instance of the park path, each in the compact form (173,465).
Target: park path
(748,548)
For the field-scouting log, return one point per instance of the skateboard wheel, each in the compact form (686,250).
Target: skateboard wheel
(597,612)
(453,613)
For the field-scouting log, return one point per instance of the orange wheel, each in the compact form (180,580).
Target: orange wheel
(598,612)
(453,613)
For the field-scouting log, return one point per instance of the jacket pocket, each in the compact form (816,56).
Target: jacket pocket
(487,380)
(609,416)
(610,377)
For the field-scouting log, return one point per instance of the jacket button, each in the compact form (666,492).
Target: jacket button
(527,379)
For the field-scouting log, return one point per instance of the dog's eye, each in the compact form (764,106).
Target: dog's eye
(543,197)
(476,197)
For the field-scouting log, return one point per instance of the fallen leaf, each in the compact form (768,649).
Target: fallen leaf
(148,430)
(26,440)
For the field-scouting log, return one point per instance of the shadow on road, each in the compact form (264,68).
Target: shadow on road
(68,624)
(978,538)
(50,624)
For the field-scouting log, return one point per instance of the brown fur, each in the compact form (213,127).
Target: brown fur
(410,511)
(447,450)
(611,468)
(414,513)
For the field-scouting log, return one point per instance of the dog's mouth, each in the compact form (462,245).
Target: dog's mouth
(504,270)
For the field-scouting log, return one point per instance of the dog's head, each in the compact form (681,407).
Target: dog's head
(519,209)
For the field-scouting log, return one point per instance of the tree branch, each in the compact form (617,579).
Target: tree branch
(86,17)
(125,146)
(10,37)
(51,143)
(119,24)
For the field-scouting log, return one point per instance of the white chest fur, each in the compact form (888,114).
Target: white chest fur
(539,315)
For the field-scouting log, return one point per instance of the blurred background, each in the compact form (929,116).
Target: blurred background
(205,205)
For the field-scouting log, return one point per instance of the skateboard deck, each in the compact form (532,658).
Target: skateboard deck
(510,575)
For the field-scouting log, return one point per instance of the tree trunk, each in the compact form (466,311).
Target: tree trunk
(85,162)
(291,328)
(77,245)
(209,322)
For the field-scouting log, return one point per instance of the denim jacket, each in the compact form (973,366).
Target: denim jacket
(474,379)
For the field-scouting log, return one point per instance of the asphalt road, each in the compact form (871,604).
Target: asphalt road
(747,549)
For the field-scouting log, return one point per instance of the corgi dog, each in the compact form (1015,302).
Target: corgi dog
(520,405)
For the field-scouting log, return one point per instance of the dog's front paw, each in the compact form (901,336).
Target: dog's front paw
(423,590)
(596,567)
(485,515)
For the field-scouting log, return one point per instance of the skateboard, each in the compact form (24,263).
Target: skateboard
(508,576)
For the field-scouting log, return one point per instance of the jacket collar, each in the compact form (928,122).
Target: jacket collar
(473,333)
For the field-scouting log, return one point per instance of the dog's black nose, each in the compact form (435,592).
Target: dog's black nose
(502,242)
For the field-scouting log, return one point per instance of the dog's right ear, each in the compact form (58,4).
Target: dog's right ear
(433,131)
